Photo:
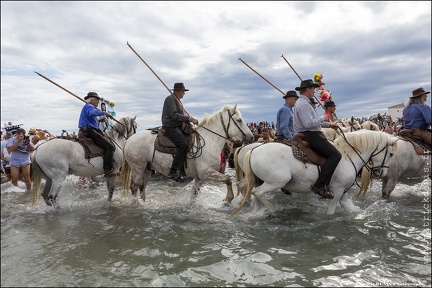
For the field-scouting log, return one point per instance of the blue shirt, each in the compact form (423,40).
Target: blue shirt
(284,122)
(417,116)
(89,116)
(306,118)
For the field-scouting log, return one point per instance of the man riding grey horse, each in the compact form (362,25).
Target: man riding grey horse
(173,117)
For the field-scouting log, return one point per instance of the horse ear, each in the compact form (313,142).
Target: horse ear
(233,110)
(134,118)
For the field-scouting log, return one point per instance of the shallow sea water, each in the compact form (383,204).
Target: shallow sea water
(173,239)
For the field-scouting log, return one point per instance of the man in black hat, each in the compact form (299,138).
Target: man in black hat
(88,125)
(284,117)
(417,115)
(173,117)
(307,122)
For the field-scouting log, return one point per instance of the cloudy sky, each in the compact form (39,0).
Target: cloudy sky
(372,55)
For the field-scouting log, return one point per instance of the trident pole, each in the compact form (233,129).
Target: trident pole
(181,104)
(261,76)
(69,92)
(300,78)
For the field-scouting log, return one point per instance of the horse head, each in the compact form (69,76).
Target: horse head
(124,128)
(239,129)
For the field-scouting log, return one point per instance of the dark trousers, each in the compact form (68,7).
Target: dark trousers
(178,138)
(319,143)
(99,140)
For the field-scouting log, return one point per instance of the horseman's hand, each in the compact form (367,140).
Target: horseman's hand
(193,120)
(335,126)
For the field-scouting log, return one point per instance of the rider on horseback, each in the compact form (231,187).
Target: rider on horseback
(417,115)
(88,125)
(173,117)
(307,122)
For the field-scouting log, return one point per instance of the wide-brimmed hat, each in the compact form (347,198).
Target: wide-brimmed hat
(41,135)
(32,131)
(92,95)
(290,94)
(179,86)
(313,101)
(329,104)
(307,83)
(418,92)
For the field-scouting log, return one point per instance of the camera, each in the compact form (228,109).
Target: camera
(26,137)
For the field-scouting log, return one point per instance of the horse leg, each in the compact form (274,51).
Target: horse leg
(196,187)
(338,194)
(388,186)
(347,203)
(46,190)
(147,174)
(263,200)
(230,194)
(51,198)
(259,191)
(110,186)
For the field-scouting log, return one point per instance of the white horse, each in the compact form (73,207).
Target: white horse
(404,162)
(370,126)
(57,158)
(203,160)
(357,148)
(349,124)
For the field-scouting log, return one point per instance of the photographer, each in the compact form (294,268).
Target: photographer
(19,148)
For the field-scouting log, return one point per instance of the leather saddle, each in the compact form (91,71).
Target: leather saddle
(164,144)
(91,150)
(419,146)
(303,152)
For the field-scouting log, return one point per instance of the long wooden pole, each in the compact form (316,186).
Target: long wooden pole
(300,78)
(181,104)
(262,76)
(46,78)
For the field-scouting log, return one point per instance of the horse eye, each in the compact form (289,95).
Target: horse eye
(240,120)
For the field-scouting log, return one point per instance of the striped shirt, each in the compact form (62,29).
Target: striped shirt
(306,118)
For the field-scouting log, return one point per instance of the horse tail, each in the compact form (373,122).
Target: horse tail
(250,178)
(366,176)
(125,177)
(238,171)
(37,177)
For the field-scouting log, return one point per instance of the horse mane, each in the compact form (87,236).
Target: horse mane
(362,140)
(214,118)
(119,128)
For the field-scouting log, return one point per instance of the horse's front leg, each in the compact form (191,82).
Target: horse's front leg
(216,176)
(337,196)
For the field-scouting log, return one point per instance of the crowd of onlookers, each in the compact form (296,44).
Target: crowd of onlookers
(384,121)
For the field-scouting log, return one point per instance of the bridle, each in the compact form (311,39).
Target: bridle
(200,142)
(226,128)
(366,164)
(130,128)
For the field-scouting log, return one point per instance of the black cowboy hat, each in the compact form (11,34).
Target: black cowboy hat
(179,86)
(307,83)
(290,94)
(92,95)
(418,92)
(329,104)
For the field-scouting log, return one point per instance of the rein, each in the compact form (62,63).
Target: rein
(366,163)
(117,129)
(199,146)
(227,137)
